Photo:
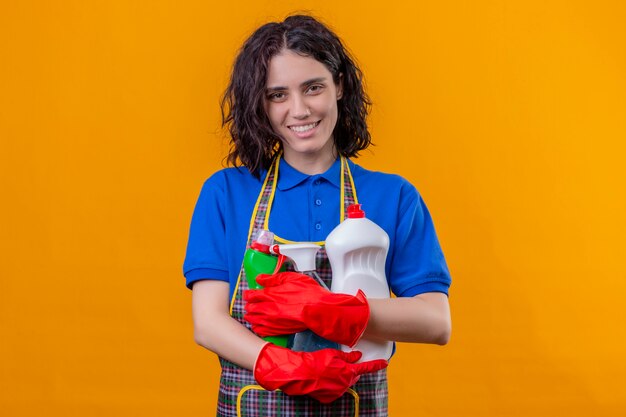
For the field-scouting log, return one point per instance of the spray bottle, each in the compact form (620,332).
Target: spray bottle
(357,249)
(258,260)
(302,256)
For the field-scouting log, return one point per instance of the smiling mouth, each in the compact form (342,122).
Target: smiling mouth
(304,128)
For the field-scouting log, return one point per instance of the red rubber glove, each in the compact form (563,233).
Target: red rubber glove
(324,374)
(291,302)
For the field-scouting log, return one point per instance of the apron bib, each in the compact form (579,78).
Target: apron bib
(239,393)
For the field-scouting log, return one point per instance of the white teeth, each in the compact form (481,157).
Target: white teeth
(301,129)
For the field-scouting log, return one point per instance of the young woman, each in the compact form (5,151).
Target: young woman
(296,111)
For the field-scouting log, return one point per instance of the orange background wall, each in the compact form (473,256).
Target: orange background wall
(508,116)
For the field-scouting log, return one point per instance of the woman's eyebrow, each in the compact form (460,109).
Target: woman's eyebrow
(272,89)
(313,81)
(303,84)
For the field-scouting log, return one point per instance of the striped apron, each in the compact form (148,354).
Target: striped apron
(239,394)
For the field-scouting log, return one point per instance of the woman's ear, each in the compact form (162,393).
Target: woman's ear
(340,87)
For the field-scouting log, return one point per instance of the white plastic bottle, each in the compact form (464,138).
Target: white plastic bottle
(357,251)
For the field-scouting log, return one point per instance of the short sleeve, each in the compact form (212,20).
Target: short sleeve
(418,264)
(206,256)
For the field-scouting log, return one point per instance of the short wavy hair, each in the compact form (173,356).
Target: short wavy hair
(253,142)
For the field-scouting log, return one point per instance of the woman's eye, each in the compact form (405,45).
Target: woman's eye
(315,88)
(276,96)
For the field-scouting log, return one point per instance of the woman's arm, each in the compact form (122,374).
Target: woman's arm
(216,330)
(324,375)
(291,302)
(424,318)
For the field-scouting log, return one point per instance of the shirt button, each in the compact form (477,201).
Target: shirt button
(318,202)
(318,226)
(317,182)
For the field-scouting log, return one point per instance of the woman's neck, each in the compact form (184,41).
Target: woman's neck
(311,164)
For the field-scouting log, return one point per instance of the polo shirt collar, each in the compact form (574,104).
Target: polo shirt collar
(289,177)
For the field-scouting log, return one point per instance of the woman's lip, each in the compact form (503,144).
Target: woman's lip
(303,124)
(307,133)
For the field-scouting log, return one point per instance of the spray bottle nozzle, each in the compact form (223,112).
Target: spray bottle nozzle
(303,257)
(302,254)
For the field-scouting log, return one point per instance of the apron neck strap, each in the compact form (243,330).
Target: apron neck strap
(261,213)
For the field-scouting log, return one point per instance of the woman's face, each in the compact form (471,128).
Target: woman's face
(301,104)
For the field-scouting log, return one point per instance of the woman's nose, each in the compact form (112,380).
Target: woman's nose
(299,108)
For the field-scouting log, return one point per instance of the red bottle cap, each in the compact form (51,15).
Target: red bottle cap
(355,212)
(260,247)
(262,241)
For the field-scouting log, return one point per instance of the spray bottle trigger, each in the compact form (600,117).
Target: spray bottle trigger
(279,263)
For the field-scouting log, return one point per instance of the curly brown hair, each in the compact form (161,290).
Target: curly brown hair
(254,144)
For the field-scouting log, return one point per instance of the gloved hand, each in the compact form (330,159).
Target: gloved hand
(324,374)
(291,302)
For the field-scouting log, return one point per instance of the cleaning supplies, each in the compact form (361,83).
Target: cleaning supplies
(357,249)
(258,260)
(303,256)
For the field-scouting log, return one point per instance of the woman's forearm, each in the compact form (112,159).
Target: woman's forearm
(424,318)
(217,331)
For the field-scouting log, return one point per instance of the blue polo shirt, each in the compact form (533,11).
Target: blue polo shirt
(307,208)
